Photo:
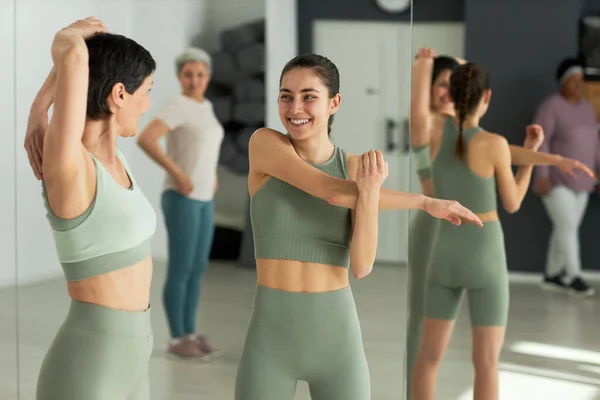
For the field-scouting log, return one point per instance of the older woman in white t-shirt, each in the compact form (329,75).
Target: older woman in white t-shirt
(194,137)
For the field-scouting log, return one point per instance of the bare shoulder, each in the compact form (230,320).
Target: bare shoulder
(267,137)
(265,142)
(492,144)
(491,140)
(267,152)
(352,160)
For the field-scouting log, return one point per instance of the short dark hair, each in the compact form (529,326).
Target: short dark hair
(566,64)
(442,63)
(322,68)
(114,59)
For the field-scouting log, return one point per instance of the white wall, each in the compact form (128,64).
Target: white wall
(36,23)
(225,14)
(7,143)
(282,46)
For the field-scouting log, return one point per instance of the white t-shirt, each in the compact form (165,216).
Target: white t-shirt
(193,142)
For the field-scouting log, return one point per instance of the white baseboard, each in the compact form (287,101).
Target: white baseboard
(30,280)
(7,283)
(536,277)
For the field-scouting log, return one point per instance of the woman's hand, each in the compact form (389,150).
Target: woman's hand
(216,185)
(425,52)
(534,137)
(450,210)
(34,141)
(569,166)
(183,183)
(88,27)
(372,171)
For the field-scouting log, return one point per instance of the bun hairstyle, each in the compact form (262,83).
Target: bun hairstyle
(468,83)
(323,68)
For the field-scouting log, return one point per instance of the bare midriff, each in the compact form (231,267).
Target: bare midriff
(124,289)
(489,216)
(302,277)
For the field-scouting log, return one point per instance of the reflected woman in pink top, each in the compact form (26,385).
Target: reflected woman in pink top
(570,127)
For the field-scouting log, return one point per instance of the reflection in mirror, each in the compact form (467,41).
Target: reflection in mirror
(486,132)
(127,325)
(8,287)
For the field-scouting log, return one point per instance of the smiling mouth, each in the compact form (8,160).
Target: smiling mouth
(299,122)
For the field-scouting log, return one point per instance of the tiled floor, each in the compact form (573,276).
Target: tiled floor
(552,350)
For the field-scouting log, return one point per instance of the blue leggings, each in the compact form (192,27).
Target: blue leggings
(190,229)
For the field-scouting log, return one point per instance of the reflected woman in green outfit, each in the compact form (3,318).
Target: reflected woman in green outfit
(469,164)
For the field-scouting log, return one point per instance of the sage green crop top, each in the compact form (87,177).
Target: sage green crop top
(114,232)
(453,179)
(290,224)
(421,161)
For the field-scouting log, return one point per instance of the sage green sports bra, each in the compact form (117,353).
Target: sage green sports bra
(290,224)
(454,179)
(114,232)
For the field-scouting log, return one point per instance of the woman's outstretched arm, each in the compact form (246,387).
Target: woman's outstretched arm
(522,156)
(528,154)
(272,154)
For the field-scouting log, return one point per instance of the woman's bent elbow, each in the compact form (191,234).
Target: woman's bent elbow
(68,51)
(338,197)
(512,208)
(144,141)
(141,143)
(361,272)
(333,198)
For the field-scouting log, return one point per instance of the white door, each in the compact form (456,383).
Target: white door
(374,61)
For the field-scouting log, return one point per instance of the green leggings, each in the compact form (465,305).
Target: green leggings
(423,231)
(99,354)
(469,258)
(313,337)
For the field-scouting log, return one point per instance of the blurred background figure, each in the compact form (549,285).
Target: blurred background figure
(194,137)
(570,126)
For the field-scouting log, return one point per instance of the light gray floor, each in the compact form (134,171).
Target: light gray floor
(552,350)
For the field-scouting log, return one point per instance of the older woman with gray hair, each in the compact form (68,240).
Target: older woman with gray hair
(194,137)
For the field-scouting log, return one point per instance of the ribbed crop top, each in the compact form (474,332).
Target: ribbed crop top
(454,179)
(113,233)
(290,224)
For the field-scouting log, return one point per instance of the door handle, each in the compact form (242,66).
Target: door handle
(406,144)
(390,127)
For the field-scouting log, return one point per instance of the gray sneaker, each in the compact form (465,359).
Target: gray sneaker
(207,347)
(186,348)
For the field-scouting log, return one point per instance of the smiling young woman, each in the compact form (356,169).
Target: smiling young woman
(314,212)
